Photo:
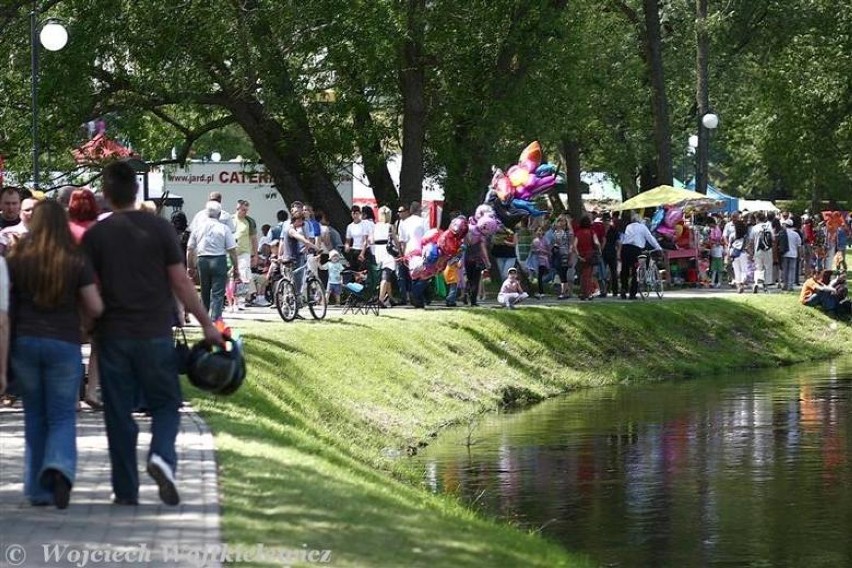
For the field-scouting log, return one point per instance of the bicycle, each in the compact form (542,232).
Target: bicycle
(648,276)
(288,301)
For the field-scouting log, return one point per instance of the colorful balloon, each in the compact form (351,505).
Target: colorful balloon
(545,170)
(518,176)
(532,153)
(529,207)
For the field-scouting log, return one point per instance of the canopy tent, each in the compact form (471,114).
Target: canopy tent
(101,149)
(664,195)
(730,203)
(757,205)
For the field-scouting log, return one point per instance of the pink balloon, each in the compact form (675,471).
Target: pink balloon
(539,186)
(431,236)
(673,215)
(528,165)
(483,211)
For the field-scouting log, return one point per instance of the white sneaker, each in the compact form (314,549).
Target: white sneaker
(165,478)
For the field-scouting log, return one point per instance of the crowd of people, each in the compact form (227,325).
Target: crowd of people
(593,256)
(106,271)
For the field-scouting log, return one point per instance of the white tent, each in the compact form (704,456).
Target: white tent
(757,205)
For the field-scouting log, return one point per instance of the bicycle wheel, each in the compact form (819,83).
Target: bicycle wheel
(657,282)
(317,303)
(285,300)
(642,280)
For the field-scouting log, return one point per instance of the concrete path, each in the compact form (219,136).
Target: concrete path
(95,531)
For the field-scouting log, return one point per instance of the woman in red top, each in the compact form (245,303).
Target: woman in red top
(588,250)
(82,212)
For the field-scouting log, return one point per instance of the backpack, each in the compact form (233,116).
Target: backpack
(783,242)
(764,239)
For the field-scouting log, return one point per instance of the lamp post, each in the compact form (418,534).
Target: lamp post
(53,37)
(709,122)
(692,145)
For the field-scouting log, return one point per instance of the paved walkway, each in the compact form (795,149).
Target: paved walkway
(151,534)
(269,314)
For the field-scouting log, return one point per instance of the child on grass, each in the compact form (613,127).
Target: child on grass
(511,292)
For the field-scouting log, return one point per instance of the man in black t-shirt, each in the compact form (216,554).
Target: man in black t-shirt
(139,265)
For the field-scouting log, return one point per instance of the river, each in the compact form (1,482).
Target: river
(748,469)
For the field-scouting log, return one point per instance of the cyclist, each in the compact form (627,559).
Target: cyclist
(294,247)
(635,239)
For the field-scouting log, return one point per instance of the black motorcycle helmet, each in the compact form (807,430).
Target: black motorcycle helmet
(216,370)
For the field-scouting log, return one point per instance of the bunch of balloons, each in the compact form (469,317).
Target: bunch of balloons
(512,192)
(436,248)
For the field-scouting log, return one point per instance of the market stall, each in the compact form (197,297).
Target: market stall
(687,245)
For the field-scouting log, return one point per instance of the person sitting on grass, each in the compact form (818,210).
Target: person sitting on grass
(511,292)
(817,291)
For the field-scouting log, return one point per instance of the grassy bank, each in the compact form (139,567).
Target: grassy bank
(306,447)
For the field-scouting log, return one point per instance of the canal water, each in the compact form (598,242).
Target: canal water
(751,469)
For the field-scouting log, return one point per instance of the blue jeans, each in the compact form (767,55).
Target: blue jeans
(418,292)
(48,374)
(128,365)
(403,281)
(213,276)
(823,299)
(452,294)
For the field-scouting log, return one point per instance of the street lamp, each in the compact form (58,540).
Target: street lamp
(709,122)
(53,37)
(692,145)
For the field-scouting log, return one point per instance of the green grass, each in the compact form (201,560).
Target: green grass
(305,447)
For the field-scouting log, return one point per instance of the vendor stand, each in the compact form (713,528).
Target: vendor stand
(689,246)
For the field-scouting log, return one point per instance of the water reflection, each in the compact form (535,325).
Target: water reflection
(745,470)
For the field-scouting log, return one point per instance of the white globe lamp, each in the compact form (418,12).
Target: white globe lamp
(53,36)
(710,121)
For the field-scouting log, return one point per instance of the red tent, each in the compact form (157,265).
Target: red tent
(101,149)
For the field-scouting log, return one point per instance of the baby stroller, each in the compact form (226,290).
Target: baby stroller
(359,291)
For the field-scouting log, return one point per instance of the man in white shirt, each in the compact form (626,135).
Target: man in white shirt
(413,228)
(357,240)
(201,216)
(635,239)
(206,252)
(403,277)
(790,260)
(761,240)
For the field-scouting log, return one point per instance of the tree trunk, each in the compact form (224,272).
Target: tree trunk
(290,158)
(702,96)
(659,100)
(412,79)
(570,150)
(648,176)
(627,181)
(373,156)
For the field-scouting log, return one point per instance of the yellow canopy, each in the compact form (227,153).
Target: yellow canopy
(663,195)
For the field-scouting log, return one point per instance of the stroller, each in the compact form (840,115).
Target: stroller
(360,293)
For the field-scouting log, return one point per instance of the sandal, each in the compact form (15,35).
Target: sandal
(93,403)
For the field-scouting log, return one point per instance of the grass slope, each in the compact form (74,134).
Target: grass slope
(305,446)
